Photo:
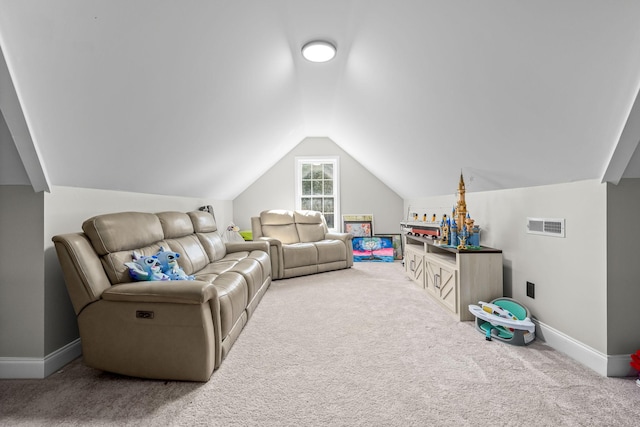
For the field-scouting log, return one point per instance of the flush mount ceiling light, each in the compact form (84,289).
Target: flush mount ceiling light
(318,51)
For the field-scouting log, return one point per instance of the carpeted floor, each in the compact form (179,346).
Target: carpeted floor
(358,347)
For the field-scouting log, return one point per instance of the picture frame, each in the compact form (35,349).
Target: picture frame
(373,249)
(398,248)
(358,225)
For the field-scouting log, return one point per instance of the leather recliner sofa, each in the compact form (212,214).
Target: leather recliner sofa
(300,243)
(170,330)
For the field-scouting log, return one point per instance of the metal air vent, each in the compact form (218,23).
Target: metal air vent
(546,226)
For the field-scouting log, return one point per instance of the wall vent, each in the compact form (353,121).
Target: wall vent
(546,226)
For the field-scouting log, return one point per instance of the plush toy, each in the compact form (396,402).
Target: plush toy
(635,364)
(169,264)
(145,268)
(232,234)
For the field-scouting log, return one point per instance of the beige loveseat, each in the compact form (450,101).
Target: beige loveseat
(301,243)
(171,330)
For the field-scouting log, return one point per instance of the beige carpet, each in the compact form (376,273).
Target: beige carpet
(359,347)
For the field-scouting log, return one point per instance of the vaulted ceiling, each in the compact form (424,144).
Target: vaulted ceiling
(201,97)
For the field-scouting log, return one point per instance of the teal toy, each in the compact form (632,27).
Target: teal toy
(169,263)
(504,319)
(145,268)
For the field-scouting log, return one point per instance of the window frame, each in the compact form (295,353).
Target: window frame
(335,161)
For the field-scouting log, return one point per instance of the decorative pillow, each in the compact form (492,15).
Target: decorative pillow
(145,268)
(169,264)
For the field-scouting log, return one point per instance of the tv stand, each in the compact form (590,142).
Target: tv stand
(453,277)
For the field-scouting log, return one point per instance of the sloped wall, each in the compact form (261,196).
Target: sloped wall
(12,171)
(360,193)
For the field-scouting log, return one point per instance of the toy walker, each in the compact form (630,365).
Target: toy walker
(505,320)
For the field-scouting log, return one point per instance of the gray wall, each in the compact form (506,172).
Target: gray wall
(586,283)
(36,316)
(360,193)
(22,264)
(623,267)
(570,273)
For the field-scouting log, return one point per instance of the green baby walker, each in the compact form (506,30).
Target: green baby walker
(504,319)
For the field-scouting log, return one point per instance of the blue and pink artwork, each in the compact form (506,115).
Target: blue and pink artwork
(375,249)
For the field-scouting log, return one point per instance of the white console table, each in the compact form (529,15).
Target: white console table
(455,278)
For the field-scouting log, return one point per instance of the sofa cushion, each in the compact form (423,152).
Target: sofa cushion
(175,224)
(203,222)
(193,257)
(287,234)
(205,227)
(122,231)
(114,262)
(310,226)
(251,270)
(216,268)
(264,261)
(276,217)
(179,234)
(299,255)
(279,224)
(331,251)
(233,296)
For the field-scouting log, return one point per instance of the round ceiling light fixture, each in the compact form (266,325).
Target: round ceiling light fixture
(318,51)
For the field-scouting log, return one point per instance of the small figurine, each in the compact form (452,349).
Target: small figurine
(469,224)
(445,233)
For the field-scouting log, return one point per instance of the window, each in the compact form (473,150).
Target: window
(317,187)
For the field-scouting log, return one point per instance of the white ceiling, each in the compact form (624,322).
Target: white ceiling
(200,98)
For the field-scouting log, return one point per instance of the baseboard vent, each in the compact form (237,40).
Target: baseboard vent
(546,226)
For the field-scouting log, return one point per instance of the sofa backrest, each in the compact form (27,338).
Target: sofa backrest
(279,224)
(204,224)
(181,238)
(115,236)
(95,260)
(311,225)
(293,226)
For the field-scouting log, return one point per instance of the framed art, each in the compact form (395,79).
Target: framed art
(358,225)
(373,249)
(396,239)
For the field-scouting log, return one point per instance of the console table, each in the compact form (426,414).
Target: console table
(455,278)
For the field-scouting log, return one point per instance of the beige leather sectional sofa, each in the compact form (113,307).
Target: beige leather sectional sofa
(176,330)
(300,243)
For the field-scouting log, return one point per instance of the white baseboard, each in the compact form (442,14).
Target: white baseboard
(618,366)
(605,365)
(34,367)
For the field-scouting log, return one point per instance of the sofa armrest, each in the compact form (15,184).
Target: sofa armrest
(347,239)
(256,227)
(247,246)
(175,291)
(339,236)
(81,268)
(275,253)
